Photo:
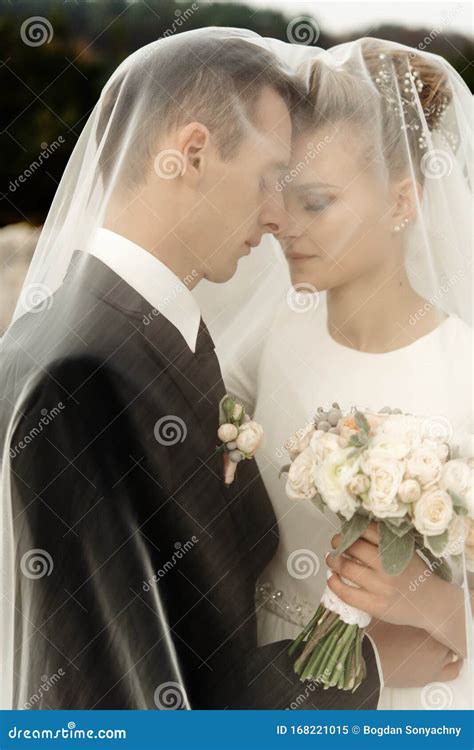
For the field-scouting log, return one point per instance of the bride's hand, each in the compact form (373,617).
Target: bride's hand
(416,597)
(411,658)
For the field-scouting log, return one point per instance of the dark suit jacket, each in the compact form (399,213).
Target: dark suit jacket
(151,562)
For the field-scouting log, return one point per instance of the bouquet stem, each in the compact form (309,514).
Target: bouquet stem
(333,651)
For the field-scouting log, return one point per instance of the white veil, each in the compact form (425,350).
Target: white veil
(439,256)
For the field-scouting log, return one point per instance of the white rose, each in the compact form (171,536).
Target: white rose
(456,477)
(324,443)
(409,491)
(423,464)
(227,432)
(433,512)
(359,484)
(332,478)
(300,440)
(301,476)
(249,437)
(385,473)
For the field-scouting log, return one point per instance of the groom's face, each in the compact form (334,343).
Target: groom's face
(237,201)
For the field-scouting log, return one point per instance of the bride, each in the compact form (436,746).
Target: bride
(377,314)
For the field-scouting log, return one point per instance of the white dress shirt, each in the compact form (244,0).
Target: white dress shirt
(151,278)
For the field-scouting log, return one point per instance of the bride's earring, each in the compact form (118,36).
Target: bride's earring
(401,225)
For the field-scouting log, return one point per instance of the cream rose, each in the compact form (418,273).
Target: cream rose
(409,491)
(424,465)
(227,432)
(249,437)
(300,440)
(359,484)
(301,477)
(324,443)
(385,473)
(456,477)
(433,512)
(332,479)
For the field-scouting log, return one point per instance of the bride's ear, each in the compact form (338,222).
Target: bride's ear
(407,196)
(193,144)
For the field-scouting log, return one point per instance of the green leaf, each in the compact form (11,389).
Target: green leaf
(438,565)
(395,551)
(399,526)
(437,544)
(284,470)
(319,503)
(226,409)
(351,531)
(361,422)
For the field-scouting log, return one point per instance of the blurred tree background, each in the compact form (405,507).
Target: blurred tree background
(51,82)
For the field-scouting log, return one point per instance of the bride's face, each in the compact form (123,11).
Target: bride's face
(339,210)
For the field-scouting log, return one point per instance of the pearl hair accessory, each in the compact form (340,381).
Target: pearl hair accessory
(406,101)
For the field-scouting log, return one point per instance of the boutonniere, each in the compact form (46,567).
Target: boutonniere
(240,436)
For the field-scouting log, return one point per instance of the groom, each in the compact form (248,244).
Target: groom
(149,599)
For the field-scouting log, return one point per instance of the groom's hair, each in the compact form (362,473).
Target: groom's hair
(217,82)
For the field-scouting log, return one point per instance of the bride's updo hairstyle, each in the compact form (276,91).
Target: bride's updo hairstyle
(395,98)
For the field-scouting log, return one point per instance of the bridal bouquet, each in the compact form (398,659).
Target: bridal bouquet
(240,436)
(368,467)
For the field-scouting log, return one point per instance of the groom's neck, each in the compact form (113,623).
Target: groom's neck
(154,236)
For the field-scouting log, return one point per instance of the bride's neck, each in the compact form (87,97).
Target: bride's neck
(375,313)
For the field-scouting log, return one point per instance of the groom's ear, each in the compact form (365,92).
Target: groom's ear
(193,143)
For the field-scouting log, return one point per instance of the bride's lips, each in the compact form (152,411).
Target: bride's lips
(300,256)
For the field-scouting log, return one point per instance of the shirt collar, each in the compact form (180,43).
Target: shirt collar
(151,278)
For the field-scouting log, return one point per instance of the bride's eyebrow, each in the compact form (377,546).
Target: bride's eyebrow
(307,186)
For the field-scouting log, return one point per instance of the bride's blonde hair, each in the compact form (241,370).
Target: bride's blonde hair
(396,96)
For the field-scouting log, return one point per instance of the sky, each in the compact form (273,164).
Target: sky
(339,17)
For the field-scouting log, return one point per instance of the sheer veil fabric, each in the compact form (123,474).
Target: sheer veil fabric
(380,89)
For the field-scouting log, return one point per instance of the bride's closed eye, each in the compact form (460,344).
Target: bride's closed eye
(318,205)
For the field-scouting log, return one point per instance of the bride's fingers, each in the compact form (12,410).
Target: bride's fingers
(371,534)
(364,552)
(354,597)
(358,574)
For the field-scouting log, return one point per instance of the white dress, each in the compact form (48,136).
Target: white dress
(283,373)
